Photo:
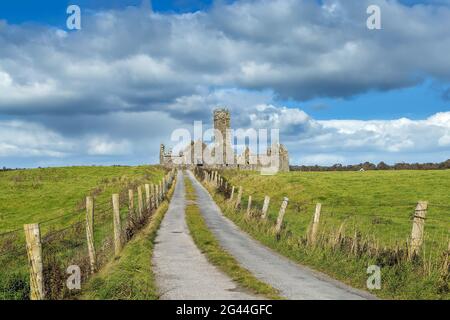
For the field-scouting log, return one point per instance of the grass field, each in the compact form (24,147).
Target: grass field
(37,195)
(55,198)
(379,203)
(373,206)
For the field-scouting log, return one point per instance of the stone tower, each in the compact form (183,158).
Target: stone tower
(162,150)
(222,123)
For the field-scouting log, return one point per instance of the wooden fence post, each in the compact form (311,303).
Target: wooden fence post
(152,197)
(131,202)
(315,225)
(232,194)
(161,194)
(164,186)
(117,225)
(418,227)
(281,215)
(157,195)
(147,198)
(34,253)
(249,206)
(265,207)
(90,232)
(140,202)
(238,200)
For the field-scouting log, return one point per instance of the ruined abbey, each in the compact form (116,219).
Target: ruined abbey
(222,155)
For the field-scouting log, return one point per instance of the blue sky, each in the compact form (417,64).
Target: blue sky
(53,11)
(340,92)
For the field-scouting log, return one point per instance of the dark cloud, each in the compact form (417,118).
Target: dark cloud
(135,60)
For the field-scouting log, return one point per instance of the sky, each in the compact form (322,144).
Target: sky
(111,92)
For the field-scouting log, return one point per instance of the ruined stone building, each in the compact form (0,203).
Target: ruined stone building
(199,154)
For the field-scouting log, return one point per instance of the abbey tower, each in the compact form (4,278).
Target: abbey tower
(222,123)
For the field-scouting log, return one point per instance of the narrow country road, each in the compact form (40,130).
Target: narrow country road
(181,270)
(292,280)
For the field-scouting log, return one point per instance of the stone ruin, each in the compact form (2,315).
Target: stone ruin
(189,157)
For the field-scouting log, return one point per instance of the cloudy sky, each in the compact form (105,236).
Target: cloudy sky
(112,91)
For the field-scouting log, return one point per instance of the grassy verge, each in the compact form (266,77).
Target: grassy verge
(130,277)
(400,280)
(208,244)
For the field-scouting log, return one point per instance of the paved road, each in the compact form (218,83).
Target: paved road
(292,280)
(181,270)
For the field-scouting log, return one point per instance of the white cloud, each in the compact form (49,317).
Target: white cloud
(350,141)
(23,139)
(105,147)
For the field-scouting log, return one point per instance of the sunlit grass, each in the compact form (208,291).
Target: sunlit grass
(378,206)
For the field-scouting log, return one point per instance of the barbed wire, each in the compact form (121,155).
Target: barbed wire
(102,203)
(337,207)
(11,232)
(48,236)
(57,218)
(15,251)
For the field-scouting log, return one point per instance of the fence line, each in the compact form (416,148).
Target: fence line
(76,242)
(357,243)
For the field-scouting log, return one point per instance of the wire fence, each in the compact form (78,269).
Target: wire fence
(382,229)
(64,241)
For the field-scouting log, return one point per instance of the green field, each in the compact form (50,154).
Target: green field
(55,198)
(376,207)
(36,195)
(379,203)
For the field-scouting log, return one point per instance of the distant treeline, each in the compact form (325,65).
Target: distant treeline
(92,165)
(352,167)
(379,166)
(7,169)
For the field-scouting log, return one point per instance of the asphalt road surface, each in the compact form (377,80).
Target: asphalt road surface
(181,270)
